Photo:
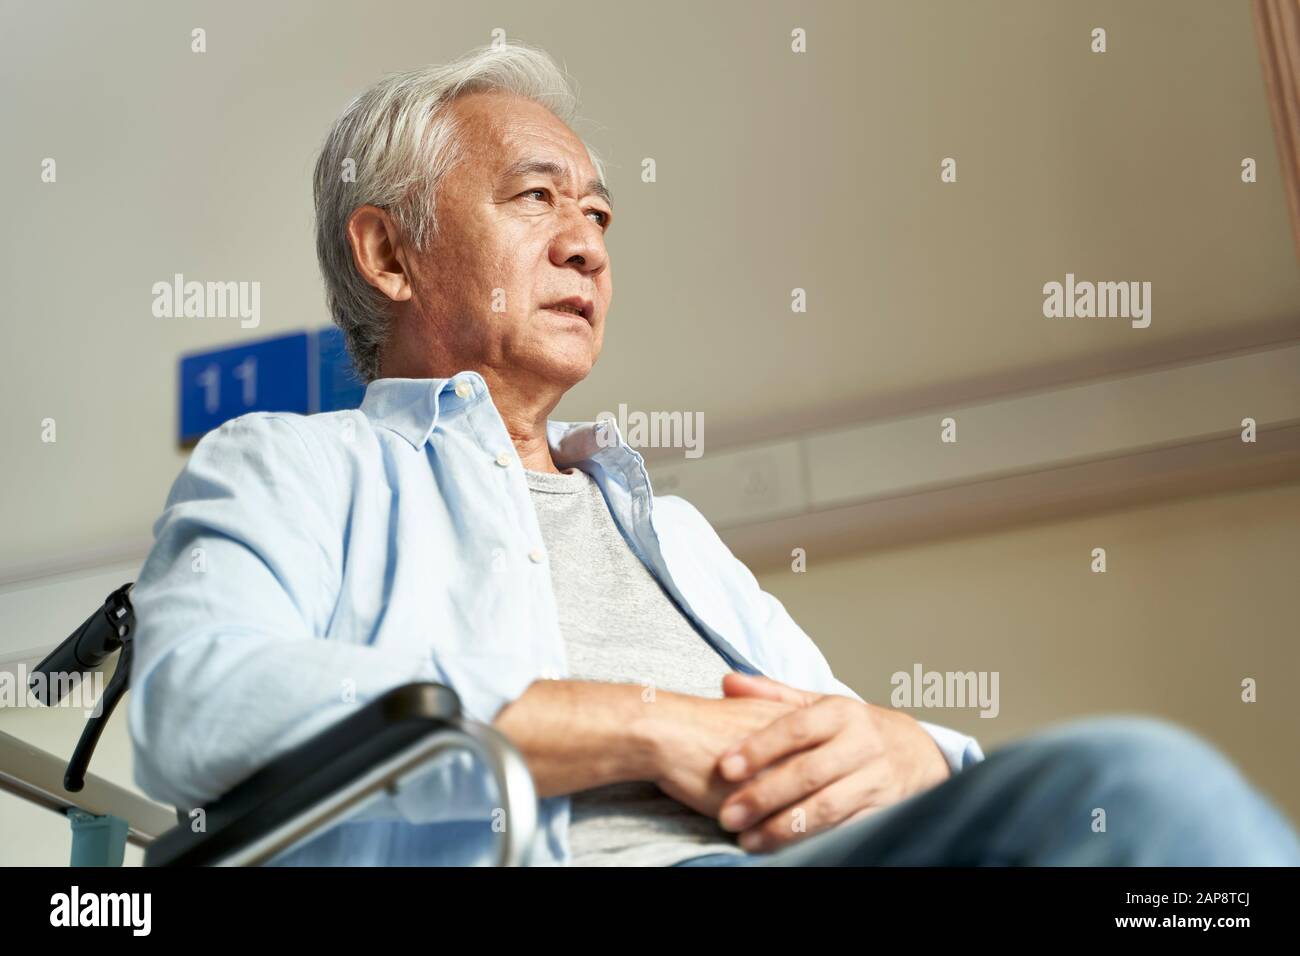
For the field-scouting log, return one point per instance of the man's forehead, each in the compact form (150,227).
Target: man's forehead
(516,132)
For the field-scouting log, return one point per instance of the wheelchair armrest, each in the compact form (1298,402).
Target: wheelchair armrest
(304,790)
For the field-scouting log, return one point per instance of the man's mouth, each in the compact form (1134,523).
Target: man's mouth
(572,306)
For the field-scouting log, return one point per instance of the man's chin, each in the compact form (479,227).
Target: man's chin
(563,371)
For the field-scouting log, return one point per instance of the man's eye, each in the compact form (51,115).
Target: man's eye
(604,216)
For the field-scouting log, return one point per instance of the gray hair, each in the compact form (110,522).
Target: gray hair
(390,148)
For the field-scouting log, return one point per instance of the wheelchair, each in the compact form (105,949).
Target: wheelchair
(368,756)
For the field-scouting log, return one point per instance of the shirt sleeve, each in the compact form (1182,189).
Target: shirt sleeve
(231,664)
(960,750)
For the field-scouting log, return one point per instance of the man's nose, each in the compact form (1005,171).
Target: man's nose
(581,244)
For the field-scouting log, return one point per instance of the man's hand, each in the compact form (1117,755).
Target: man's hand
(829,760)
(689,734)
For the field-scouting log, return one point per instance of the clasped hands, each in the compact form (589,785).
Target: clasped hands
(777,764)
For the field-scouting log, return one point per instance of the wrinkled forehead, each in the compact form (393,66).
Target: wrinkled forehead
(502,131)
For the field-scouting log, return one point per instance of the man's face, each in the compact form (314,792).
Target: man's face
(522,240)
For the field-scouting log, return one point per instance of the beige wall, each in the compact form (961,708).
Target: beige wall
(1198,595)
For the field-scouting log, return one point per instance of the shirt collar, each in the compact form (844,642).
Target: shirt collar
(412,407)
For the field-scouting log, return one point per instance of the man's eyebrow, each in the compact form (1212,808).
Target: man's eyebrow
(542,167)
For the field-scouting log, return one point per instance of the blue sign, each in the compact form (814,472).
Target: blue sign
(301,372)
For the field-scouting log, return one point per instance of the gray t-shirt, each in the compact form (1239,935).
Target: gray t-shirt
(620,626)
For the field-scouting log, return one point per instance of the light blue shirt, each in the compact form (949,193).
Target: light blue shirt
(304,565)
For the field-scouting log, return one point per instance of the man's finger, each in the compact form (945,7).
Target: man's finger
(736,684)
(787,783)
(796,731)
(851,797)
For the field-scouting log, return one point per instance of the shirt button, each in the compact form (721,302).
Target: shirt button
(503,459)
(536,556)
(464,389)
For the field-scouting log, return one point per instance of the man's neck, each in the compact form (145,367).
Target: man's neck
(525,408)
(534,452)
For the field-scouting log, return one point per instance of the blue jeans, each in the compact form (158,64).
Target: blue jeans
(1169,799)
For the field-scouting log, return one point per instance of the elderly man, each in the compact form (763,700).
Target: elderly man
(670,710)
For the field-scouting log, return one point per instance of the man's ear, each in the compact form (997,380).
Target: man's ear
(377,252)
